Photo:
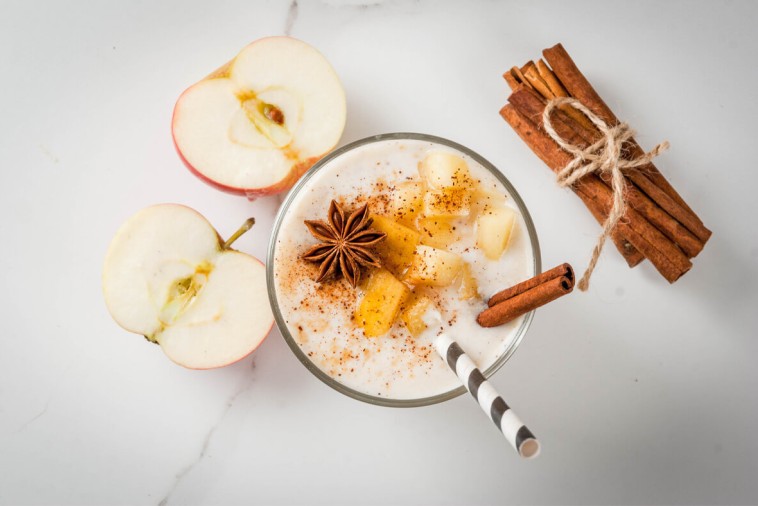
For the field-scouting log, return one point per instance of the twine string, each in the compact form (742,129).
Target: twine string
(604,156)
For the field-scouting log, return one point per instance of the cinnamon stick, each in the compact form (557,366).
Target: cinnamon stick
(632,256)
(639,176)
(669,260)
(563,270)
(557,90)
(665,256)
(580,88)
(533,77)
(511,79)
(552,82)
(527,296)
(532,106)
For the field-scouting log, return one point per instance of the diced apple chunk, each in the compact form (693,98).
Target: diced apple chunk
(396,251)
(438,232)
(484,200)
(381,303)
(413,314)
(469,288)
(493,231)
(407,201)
(445,170)
(447,203)
(433,267)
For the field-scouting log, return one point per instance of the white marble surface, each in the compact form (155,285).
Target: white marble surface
(640,392)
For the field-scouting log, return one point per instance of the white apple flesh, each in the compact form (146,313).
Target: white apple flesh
(168,276)
(257,124)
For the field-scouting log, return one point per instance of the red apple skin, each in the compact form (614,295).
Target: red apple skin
(251,193)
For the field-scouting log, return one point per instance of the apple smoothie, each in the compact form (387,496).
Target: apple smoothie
(453,236)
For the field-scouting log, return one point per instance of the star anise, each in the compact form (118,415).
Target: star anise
(346,242)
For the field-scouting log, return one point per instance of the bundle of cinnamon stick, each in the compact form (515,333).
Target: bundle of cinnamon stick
(658,223)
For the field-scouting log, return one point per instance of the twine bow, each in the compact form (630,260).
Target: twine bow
(603,156)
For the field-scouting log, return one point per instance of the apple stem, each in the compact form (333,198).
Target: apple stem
(244,228)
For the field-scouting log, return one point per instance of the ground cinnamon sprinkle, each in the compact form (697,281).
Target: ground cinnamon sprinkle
(337,297)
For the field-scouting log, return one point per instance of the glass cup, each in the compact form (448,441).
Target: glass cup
(284,329)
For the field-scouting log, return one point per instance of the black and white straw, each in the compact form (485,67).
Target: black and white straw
(489,400)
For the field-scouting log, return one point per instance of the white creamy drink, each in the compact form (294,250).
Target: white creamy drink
(328,320)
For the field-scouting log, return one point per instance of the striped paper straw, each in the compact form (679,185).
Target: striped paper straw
(489,400)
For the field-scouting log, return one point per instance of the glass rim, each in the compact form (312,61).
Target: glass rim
(270,282)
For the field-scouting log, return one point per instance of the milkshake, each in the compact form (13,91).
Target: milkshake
(452,234)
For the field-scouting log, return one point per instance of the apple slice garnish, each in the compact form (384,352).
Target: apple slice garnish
(258,123)
(169,277)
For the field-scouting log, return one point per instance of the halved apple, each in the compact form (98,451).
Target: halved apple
(256,124)
(168,276)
